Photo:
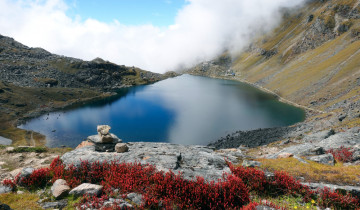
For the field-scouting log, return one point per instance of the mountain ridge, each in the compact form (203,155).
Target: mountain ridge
(312,59)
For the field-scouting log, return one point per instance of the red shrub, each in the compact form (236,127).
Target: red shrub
(329,198)
(283,183)
(128,177)
(250,206)
(342,154)
(9,182)
(173,190)
(253,178)
(280,183)
(38,178)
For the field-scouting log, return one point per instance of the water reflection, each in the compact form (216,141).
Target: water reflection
(183,110)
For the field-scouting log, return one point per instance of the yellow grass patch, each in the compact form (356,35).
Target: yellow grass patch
(315,172)
(22,201)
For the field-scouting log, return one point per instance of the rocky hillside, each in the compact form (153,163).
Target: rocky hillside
(312,59)
(34,81)
(35,67)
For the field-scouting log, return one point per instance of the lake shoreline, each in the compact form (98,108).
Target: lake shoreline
(267,112)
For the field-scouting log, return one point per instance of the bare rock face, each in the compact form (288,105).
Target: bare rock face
(87,188)
(195,160)
(121,148)
(60,188)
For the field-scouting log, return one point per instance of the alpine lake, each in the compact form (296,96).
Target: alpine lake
(182,110)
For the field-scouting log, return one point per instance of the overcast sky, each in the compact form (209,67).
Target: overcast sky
(156,35)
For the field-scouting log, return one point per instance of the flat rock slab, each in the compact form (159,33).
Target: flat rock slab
(195,160)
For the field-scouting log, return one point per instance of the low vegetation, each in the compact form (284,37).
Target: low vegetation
(315,172)
(244,188)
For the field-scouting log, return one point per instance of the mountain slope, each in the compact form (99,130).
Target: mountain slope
(34,81)
(311,59)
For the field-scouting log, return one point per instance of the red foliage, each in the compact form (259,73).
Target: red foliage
(38,178)
(9,182)
(250,206)
(342,154)
(253,178)
(128,177)
(329,198)
(281,183)
(173,190)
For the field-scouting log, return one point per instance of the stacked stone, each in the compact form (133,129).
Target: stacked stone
(104,141)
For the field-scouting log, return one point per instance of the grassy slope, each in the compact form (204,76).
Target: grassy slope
(327,72)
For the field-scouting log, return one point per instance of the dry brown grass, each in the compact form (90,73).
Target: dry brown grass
(315,172)
(20,201)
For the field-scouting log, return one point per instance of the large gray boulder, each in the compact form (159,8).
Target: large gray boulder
(194,160)
(87,188)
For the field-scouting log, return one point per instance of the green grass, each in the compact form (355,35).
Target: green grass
(29,149)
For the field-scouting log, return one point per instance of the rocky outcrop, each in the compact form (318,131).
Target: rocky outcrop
(253,138)
(35,67)
(195,160)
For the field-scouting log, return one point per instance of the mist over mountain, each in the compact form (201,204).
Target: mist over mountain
(202,30)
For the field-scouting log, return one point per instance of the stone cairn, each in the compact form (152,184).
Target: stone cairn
(105,141)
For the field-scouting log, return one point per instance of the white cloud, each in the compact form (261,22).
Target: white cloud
(202,30)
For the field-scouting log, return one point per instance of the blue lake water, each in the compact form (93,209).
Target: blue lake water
(182,110)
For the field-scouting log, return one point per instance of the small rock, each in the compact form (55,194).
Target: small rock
(342,117)
(87,188)
(250,163)
(10,149)
(3,206)
(135,197)
(121,148)
(285,155)
(105,147)
(54,205)
(327,159)
(19,192)
(5,189)
(60,188)
(25,172)
(103,130)
(126,206)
